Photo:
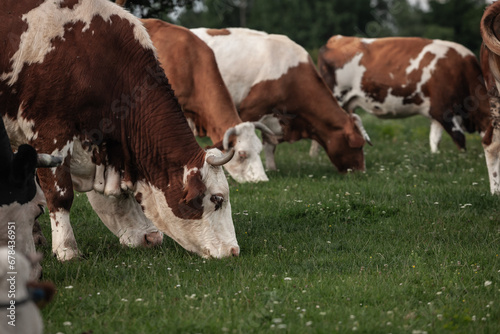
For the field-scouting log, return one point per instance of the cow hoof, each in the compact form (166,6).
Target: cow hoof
(153,239)
(67,254)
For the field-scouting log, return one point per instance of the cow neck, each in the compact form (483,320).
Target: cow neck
(320,110)
(163,143)
(217,110)
(192,70)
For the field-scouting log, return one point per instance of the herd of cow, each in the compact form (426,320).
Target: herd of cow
(84,92)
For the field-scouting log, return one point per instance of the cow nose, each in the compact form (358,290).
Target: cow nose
(242,155)
(153,238)
(235,251)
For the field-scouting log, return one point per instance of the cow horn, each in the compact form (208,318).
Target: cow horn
(487,28)
(262,127)
(47,160)
(225,141)
(359,123)
(121,2)
(219,161)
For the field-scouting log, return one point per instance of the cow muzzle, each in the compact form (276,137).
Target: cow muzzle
(153,239)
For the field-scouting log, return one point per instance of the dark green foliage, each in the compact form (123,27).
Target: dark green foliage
(311,23)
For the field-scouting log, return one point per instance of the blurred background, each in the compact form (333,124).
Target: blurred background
(311,23)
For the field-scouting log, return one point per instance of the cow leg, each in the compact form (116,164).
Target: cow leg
(313,151)
(59,194)
(454,129)
(435,135)
(491,145)
(269,152)
(492,154)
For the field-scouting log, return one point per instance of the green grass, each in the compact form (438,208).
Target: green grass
(405,247)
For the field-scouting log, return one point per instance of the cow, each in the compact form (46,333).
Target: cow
(490,64)
(80,79)
(20,297)
(191,68)
(399,77)
(273,80)
(21,199)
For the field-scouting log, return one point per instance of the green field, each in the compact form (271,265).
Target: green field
(410,246)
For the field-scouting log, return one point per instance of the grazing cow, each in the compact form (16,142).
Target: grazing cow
(490,64)
(191,68)
(21,199)
(402,76)
(273,80)
(19,297)
(81,79)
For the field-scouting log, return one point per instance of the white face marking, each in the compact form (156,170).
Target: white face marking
(46,23)
(211,236)
(246,165)
(246,57)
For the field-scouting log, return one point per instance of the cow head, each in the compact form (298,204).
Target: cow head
(246,165)
(124,217)
(21,199)
(199,217)
(345,148)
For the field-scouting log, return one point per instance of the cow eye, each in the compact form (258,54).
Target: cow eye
(217,199)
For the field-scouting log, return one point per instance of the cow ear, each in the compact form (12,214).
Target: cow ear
(194,188)
(24,163)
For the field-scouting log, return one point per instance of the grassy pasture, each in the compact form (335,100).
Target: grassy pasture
(410,246)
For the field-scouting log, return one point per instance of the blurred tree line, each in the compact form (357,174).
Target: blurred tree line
(311,23)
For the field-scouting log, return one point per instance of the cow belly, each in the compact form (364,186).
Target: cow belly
(391,107)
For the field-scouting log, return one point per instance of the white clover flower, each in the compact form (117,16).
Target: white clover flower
(287,279)
(488,283)
(67,323)
(69,287)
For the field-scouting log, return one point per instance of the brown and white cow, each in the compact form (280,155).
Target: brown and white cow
(490,64)
(273,80)
(80,79)
(193,73)
(405,76)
